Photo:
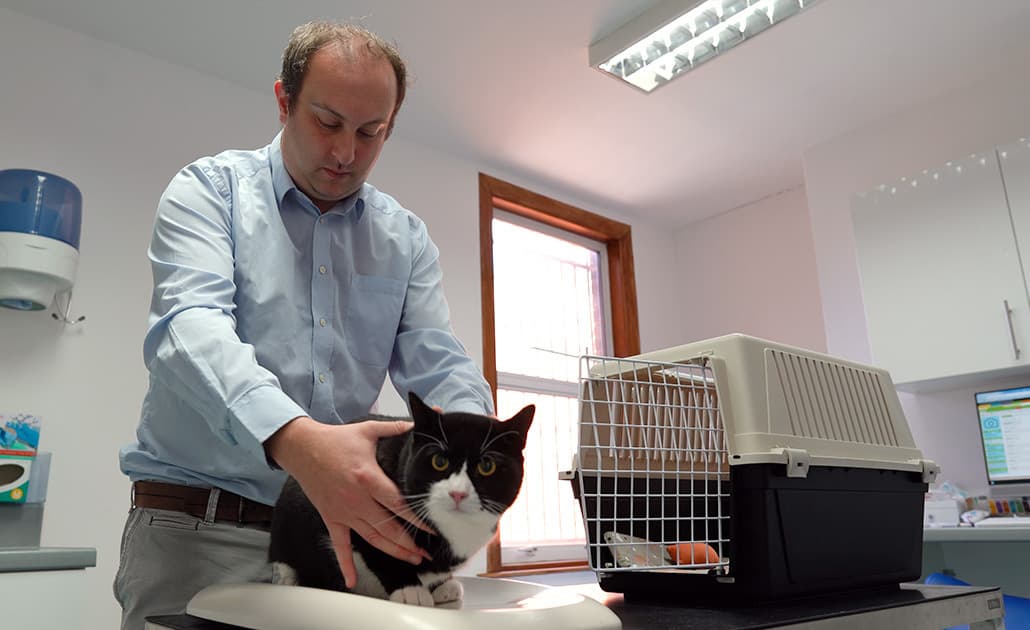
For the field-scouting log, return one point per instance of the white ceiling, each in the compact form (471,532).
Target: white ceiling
(507,84)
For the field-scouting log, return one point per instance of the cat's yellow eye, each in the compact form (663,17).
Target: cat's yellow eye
(440,462)
(486,466)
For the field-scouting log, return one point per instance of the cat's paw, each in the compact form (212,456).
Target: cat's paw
(417,595)
(448,592)
(283,574)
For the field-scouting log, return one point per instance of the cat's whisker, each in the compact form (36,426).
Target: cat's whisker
(389,518)
(499,436)
(486,437)
(420,509)
(433,438)
(439,421)
(412,497)
(424,447)
(493,506)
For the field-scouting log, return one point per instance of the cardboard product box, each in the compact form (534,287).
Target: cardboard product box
(941,512)
(19,441)
(21,524)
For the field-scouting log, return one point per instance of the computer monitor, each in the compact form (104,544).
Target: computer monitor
(1004,416)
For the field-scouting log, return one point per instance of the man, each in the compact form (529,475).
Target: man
(285,289)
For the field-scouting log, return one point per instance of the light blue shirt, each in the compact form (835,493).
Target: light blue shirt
(264,310)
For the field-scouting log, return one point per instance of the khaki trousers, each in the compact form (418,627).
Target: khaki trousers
(167,557)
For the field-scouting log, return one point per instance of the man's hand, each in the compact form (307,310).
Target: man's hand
(337,468)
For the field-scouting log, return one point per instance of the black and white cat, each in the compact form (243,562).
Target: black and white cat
(458,472)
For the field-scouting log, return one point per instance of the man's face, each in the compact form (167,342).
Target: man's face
(333,134)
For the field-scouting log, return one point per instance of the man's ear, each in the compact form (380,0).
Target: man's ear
(282,99)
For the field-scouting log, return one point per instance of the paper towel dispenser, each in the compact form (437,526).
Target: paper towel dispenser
(40,220)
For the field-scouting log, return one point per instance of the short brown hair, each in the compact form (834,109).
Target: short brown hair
(307,39)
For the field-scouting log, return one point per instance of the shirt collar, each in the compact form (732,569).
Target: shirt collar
(282,184)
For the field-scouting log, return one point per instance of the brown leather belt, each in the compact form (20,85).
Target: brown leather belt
(194,501)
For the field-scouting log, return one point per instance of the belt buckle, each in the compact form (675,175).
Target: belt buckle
(239,511)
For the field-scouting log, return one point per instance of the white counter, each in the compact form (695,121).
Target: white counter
(994,556)
(976,534)
(45,587)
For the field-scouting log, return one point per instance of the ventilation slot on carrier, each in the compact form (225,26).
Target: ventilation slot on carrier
(833,401)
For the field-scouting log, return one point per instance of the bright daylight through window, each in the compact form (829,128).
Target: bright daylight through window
(549,301)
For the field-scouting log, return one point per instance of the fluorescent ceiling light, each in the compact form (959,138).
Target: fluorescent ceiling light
(679,35)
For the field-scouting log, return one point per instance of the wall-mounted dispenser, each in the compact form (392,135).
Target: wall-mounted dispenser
(40,219)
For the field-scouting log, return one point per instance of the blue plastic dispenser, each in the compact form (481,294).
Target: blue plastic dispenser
(40,220)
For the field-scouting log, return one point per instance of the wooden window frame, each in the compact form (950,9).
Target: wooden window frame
(618,241)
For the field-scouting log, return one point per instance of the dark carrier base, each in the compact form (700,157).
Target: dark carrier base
(838,529)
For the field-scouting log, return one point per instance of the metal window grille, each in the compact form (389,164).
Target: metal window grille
(653,465)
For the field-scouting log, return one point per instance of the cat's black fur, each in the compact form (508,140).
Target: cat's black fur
(300,539)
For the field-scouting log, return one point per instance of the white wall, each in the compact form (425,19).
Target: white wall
(752,270)
(991,112)
(119,125)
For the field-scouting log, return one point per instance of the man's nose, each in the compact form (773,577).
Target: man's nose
(343,148)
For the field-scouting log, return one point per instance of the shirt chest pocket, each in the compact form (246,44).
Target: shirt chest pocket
(373,314)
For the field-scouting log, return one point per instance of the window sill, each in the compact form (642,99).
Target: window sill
(517,570)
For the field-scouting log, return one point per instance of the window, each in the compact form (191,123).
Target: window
(551,276)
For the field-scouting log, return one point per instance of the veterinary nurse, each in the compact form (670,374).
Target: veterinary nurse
(285,289)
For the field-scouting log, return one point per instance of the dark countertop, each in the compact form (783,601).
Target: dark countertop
(656,616)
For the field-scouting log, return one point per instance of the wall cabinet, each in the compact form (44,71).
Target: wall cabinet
(944,257)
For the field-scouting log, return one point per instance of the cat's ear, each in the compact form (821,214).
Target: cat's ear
(521,422)
(419,409)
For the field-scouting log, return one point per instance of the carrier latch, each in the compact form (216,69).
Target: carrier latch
(797,461)
(930,470)
(570,473)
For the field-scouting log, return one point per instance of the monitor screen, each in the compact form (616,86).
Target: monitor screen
(1004,416)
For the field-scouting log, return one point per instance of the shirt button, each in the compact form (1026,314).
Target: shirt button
(321,269)
(321,322)
(321,219)
(321,378)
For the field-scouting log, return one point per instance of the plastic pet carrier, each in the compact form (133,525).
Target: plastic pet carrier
(745,470)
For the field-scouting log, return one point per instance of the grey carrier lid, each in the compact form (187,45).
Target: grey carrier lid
(738,399)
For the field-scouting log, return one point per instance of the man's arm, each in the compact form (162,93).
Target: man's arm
(191,343)
(427,357)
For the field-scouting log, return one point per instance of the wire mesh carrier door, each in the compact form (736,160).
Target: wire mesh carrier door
(653,470)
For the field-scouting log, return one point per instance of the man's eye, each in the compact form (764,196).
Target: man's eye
(328,125)
(370,133)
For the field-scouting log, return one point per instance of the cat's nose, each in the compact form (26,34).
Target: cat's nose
(458,497)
